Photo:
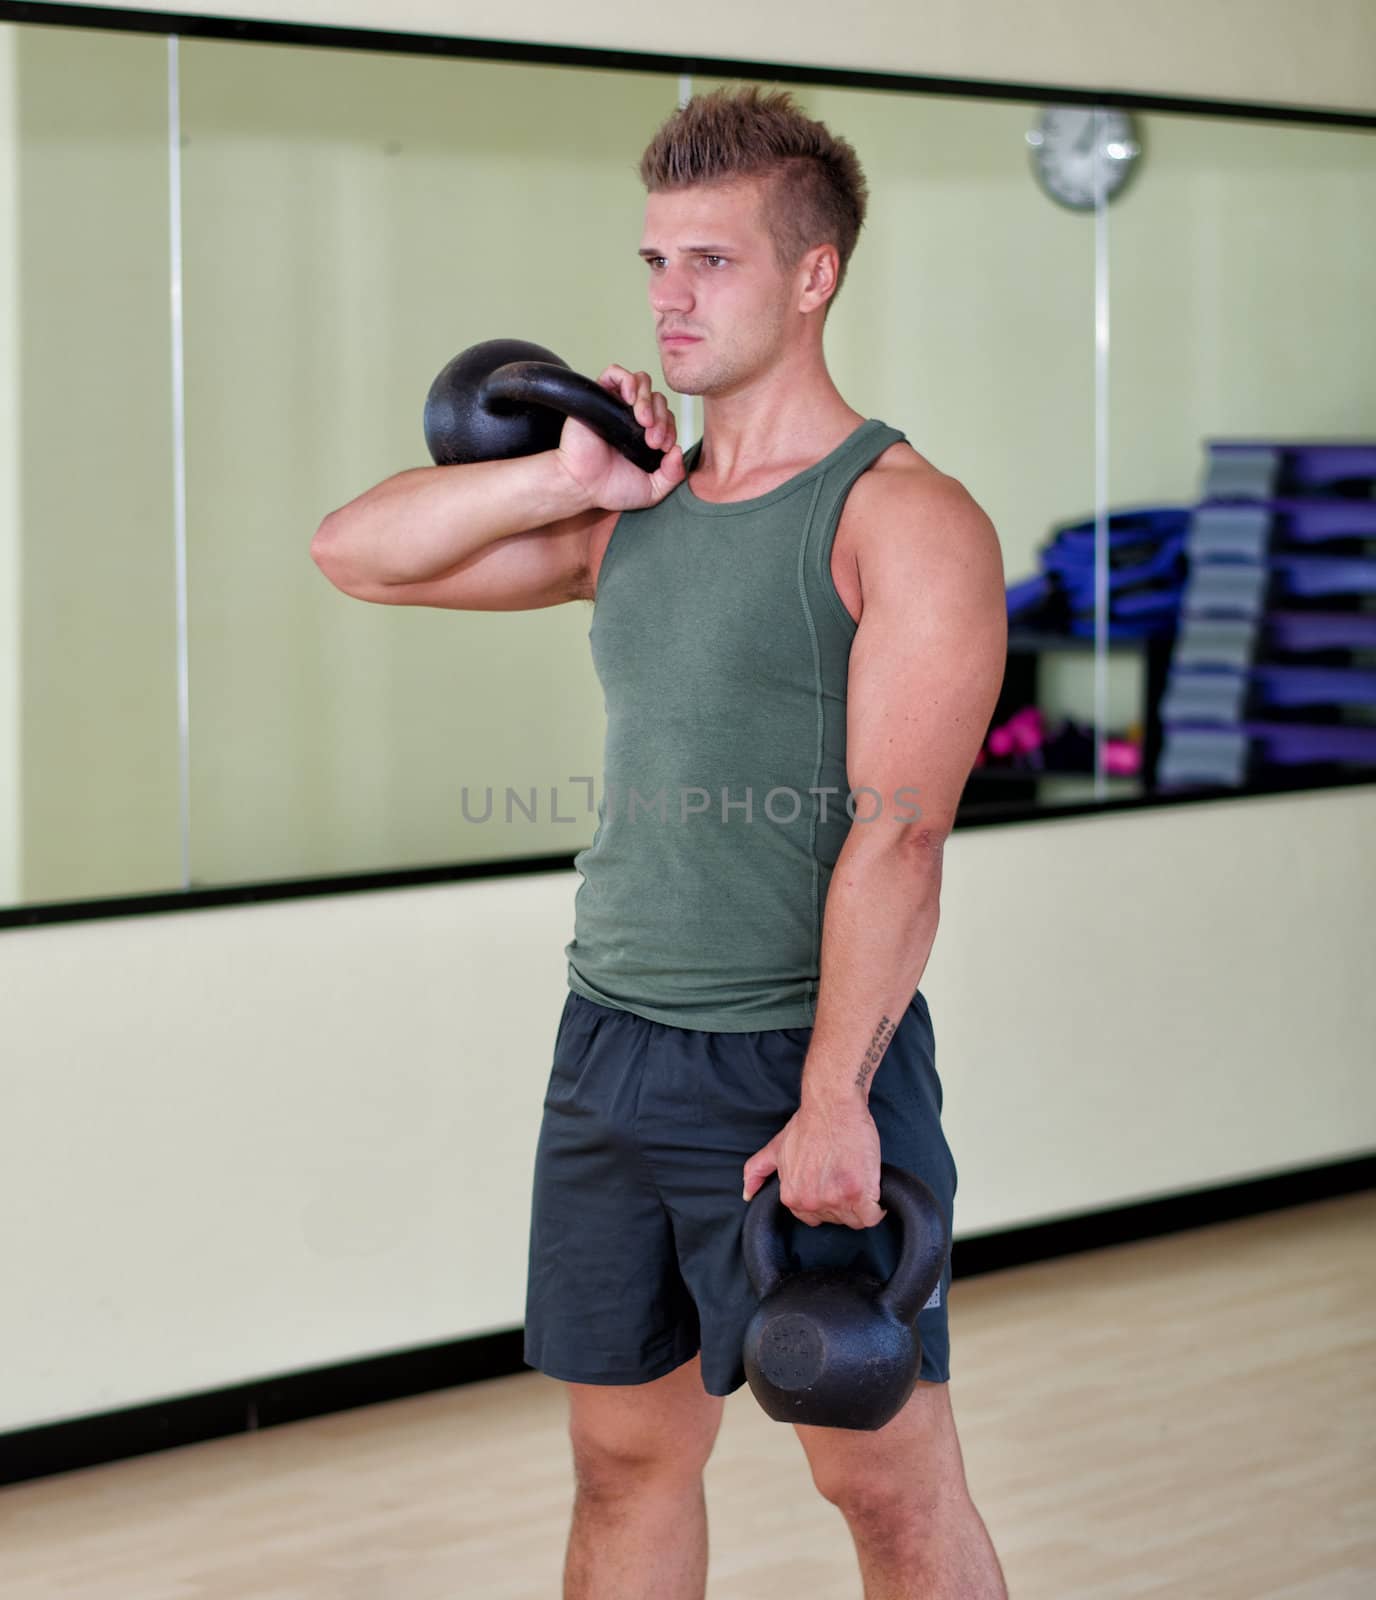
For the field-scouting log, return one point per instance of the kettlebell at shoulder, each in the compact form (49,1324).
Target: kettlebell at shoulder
(835,1347)
(507,397)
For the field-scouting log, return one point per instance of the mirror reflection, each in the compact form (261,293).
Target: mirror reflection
(1161,399)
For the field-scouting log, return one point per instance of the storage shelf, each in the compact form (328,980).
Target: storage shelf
(1028,642)
(1035,774)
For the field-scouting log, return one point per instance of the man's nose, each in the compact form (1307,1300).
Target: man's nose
(670,291)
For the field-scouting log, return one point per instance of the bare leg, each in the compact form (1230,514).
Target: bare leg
(903,1493)
(640,1515)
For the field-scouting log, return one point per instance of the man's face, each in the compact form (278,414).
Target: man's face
(716,283)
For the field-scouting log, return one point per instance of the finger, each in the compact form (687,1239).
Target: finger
(654,429)
(753,1179)
(670,471)
(614,378)
(868,1215)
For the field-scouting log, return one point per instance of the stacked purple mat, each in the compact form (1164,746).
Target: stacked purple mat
(1274,661)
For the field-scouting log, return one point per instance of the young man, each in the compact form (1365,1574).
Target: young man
(800,632)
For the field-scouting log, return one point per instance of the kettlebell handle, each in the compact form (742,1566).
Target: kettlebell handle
(920,1262)
(508,397)
(519,384)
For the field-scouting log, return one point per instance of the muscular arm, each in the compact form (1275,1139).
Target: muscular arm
(926,666)
(508,535)
(925,669)
(490,536)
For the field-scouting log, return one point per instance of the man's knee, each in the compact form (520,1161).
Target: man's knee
(625,1437)
(908,1470)
(880,1508)
(609,1465)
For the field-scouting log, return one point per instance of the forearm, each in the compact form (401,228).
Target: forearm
(422,523)
(881,917)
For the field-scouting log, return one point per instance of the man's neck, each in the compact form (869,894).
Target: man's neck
(779,424)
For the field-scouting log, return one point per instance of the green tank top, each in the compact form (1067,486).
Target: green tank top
(722,649)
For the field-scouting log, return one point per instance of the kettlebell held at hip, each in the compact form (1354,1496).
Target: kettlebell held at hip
(834,1347)
(507,398)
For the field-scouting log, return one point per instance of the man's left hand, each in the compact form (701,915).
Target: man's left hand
(827,1158)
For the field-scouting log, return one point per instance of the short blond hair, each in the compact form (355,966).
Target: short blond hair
(816,191)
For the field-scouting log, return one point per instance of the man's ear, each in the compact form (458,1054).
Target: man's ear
(818,272)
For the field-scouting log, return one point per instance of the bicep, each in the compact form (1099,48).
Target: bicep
(927,661)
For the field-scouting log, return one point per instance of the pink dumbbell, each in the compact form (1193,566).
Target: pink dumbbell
(1022,733)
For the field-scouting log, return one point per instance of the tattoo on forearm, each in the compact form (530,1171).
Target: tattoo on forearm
(878,1044)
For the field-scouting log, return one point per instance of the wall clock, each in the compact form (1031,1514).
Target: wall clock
(1069,143)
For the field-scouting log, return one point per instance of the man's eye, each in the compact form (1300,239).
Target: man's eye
(714,258)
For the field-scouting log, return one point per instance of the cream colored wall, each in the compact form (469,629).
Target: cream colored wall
(1241,286)
(98,643)
(1319,54)
(11,686)
(350,222)
(257,1140)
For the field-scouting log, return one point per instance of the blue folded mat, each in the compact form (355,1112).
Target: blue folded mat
(1146,570)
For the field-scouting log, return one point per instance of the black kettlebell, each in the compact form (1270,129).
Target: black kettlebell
(507,398)
(833,1347)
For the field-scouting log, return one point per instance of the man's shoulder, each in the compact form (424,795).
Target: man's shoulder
(904,492)
(917,536)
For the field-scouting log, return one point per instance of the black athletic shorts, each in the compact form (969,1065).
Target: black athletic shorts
(635,1240)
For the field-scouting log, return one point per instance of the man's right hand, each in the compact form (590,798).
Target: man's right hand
(609,479)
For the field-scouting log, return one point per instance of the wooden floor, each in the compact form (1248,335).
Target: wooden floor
(1193,1416)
